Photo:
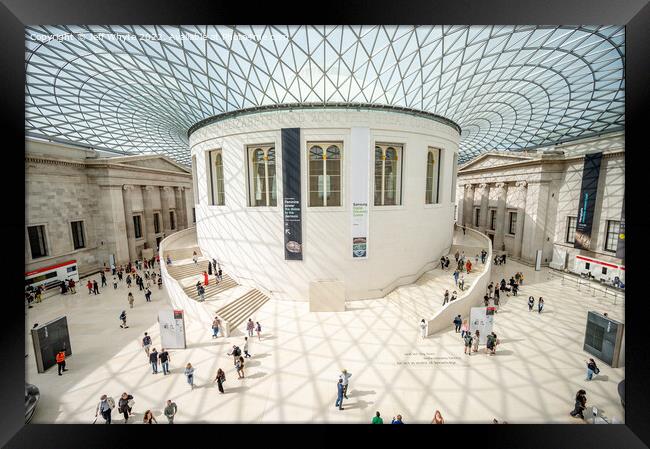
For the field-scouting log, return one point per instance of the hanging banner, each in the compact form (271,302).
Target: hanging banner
(291,190)
(172,329)
(360,165)
(588,192)
(620,247)
(481,319)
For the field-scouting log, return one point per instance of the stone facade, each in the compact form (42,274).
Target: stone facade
(66,184)
(542,188)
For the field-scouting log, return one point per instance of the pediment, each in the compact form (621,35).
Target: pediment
(490,160)
(151,162)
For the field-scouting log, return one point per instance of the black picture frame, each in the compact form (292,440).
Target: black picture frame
(635,14)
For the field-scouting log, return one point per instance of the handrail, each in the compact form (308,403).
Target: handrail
(591,285)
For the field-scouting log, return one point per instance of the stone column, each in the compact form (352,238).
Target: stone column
(150,232)
(468,205)
(520,203)
(180,211)
(164,210)
(502,191)
(484,190)
(127,191)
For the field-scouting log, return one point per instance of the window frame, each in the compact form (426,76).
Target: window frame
(46,241)
(493,219)
(384,146)
(477,217)
(195,180)
(250,150)
(569,234)
(157,214)
(435,176)
(512,213)
(83,234)
(216,190)
(325,145)
(614,235)
(135,234)
(172,219)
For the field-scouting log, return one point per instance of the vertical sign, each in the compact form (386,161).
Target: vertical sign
(481,319)
(291,191)
(620,247)
(172,329)
(359,154)
(588,192)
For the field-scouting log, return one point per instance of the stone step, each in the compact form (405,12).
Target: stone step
(242,308)
(246,313)
(212,288)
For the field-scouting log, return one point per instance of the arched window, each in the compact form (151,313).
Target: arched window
(324,174)
(216,192)
(388,174)
(433,176)
(261,171)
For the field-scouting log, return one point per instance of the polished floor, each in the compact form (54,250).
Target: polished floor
(292,375)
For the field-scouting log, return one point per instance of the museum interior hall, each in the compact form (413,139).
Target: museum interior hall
(325,224)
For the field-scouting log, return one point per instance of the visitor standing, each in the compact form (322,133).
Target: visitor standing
(195,258)
(457,323)
(95,288)
(468,343)
(159,282)
(128,281)
(397,420)
(250,326)
(495,343)
(239,365)
(205,278)
(209,268)
(114,283)
(113,268)
(169,260)
(163,356)
(456,256)
(201,293)
(146,343)
(153,359)
(103,276)
(246,354)
(60,361)
(531,303)
(377,419)
(105,407)
(147,295)
(90,287)
(71,285)
(258,329)
(215,327)
(220,379)
(477,335)
(423,328)
(580,404)
(189,372)
(170,411)
(339,394)
(486,300)
(468,266)
(540,304)
(220,274)
(125,406)
(446,298)
(490,289)
(123,319)
(456,274)
(464,328)
(130,299)
(461,283)
(591,369)
(345,377)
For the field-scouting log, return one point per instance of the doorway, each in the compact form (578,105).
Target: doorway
(158,240)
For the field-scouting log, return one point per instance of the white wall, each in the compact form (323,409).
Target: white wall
(402,239)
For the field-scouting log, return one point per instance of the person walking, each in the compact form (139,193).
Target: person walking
(95,288)
(250,326)
(446,298)
(60,361)
(169,260)
(461,283)
(128,281)
(170,411)
(209,268)
(123,319)
(437,418)
(457,323)
(146,343)
(496,296)
(475,341)
(423,328)
(120,275)
(345,377)
(159,282)
(591,369)
(246,354)
(235,353)
(468,343)
(201,293)
(220,274)
(125,405)
(580,404)
(239,365)
(130,299)
(220,379)
(258,329)
(147,295)
(468,266)
(540,305)
(215,327)
(105,407)
(454,296)
(103,276)
(114,283)
(339,394)
(377,419)
(163,356)
(456,274)
(464,328)
(397,420)
(113,268)
(90,287)
(140,282)
(490,344)
(205,278)
(495,343)
(486,300)
(456,256)
(195,258)
(153,359)
(148,418)
(490,289)
(189,372)
(531,303)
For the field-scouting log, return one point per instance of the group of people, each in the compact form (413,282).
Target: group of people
(377,419)
(125,407)
(446,299)
(212,267)
(500,260)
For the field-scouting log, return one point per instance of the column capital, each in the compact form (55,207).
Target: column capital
(469,186)
(521,184)
(148,188)
(127,187)
(166,189)
(483,186)
(500,185)
(179,188)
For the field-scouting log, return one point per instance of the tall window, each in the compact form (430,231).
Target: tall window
(172,219)
(193,215)
(324,174)
(261,160)
(78,234)
(433,176)
(156,222)
(37,241)
(477,216)
(512,226)
(613,229)
(493,219)
(137,226)
(388,174)
(454,178)
(195,183)
(215,160)
(571,229)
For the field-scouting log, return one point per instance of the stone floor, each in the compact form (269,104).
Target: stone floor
(293,372)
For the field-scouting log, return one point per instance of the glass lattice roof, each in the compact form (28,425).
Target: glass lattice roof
(138,89)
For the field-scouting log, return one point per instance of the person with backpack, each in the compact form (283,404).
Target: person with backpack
(125,406)
(457,323)
(60,361)
(146,343)
(123,319)
(580,404)
(591,369)
(220,379)
(105,407)
(468,343)
(236,352)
